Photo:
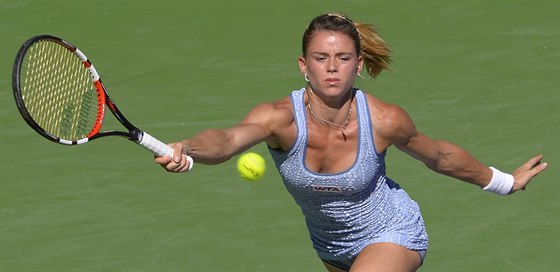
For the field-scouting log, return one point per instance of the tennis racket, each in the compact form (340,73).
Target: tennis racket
(60,95)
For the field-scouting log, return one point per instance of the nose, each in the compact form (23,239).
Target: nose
(331,66)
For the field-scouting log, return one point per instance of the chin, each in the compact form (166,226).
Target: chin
(336,90)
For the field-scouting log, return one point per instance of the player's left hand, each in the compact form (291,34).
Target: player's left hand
(526,172)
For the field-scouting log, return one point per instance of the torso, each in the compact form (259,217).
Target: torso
(346,198)
(328,150)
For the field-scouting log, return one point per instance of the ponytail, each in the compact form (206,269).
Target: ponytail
(373,49)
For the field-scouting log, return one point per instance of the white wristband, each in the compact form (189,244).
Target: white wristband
(501,182)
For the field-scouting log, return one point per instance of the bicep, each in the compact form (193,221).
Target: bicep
(245,135)
(253,129)
(399,130)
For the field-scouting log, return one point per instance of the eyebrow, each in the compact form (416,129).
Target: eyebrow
(327,54)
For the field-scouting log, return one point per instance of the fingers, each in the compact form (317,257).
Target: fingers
(535,161)
(162,160)
(525,173)
(177,153)
(176,163)
(537,169)
(532,167)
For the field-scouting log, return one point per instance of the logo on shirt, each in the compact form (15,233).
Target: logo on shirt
(327,189)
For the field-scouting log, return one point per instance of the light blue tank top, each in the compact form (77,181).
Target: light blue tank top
(345,212)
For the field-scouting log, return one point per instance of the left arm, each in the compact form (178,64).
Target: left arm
(449,159)
(446,158)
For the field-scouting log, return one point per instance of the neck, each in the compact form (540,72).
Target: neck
(330,103)
(333,114)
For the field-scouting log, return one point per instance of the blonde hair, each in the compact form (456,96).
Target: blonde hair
(373,49)
(368,43)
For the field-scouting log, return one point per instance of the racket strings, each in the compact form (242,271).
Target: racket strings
(58,91)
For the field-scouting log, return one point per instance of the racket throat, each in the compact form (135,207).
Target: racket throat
(136,135)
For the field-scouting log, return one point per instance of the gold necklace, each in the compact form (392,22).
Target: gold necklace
(342,126)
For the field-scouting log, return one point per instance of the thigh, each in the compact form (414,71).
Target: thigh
(386,257)
(332,268)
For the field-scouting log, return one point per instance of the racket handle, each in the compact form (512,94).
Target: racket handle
(159,148)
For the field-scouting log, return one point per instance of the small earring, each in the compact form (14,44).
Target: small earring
(306,78)
(360,75)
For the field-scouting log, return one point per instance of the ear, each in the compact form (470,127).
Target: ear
(360,64)
(302,65)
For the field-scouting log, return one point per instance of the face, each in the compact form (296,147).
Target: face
(331,64)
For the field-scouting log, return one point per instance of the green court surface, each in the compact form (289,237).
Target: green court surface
(482,74)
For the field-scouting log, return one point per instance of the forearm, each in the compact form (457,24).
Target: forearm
(211,146)
(454,161)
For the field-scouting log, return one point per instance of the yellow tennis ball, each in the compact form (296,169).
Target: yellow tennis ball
(251,166)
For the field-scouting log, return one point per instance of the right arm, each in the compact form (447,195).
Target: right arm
(214,146)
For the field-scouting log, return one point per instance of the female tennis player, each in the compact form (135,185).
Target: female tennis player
(329,141)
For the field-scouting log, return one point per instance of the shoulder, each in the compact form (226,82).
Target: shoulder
(391,121)
(273,116)
(271,111)
(277,119)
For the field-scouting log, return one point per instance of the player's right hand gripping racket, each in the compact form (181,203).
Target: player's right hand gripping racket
(60,95)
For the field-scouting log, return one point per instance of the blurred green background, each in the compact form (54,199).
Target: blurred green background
(483,74)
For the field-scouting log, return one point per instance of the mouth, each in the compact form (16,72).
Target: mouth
(332,81)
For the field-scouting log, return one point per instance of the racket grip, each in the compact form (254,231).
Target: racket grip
(159,148)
